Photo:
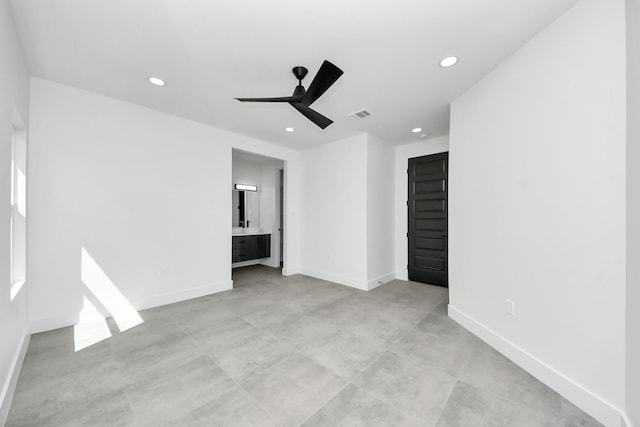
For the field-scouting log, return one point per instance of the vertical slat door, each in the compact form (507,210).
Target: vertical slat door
(427,212)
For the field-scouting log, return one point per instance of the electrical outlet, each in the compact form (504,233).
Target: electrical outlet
(510,307)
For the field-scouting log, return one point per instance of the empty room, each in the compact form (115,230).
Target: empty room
(288,213)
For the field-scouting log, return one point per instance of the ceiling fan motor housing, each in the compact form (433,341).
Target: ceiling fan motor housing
(300,72)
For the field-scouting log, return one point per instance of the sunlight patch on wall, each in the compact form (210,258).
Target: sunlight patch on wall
(15,288)
(107,293)
(91,328)
(21,196)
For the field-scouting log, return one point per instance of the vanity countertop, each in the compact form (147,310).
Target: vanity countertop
(247,231)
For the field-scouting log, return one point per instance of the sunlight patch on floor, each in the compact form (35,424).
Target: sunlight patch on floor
(91,328)
(108,294)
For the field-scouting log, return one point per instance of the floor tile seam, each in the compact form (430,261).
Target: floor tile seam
(368,340)
(415,323)
(390,404)
(259,371)
(446,402)
(197,342)
(236,382)
(210,398)
(402,336)
(435,335)
(198,350)
(509,400)
(265,327)
(431,311)
(336,300)
(380,397)
(422,364)
(347,383)
(315,359)
(260,332)
(134,412)
(252,397)
(284,359)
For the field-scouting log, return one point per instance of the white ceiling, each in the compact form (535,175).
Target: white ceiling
(212,51)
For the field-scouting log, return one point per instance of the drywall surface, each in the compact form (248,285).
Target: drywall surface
(537,205)
(380,250)
(334,212)
(401,223)
(140,198)
(633,212)
(14,113)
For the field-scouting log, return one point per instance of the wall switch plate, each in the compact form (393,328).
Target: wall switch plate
(510,307)
(162,272)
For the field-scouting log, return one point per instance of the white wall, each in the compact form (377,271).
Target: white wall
(334,212)
(347,212)
(146,195)
(537,206)
(402,155)
(14,111)
(380,249)
(633,212)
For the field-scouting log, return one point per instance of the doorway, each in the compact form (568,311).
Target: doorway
(257,190)
(428,219)
(280,197)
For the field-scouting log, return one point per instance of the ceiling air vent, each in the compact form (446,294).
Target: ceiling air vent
(360,114)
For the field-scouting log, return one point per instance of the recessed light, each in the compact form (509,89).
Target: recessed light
(289,129)
(156,81)
(448,61)
(416,130)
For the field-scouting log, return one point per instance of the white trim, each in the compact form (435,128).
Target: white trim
(70,319)
(290,271)
(183,295)
(379,281)
(579,395)
(9,387)
(341,280)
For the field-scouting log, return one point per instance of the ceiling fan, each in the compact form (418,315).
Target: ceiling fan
(301,99)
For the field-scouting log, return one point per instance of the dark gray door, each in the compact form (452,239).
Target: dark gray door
(428,219)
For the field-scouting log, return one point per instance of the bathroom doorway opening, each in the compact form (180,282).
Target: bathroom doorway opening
(258,211)
(280,198)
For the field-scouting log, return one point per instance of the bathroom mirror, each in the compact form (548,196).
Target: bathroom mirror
(246,209)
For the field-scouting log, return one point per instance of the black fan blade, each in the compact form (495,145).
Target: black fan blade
(280,99)
(312,115)
(327,75)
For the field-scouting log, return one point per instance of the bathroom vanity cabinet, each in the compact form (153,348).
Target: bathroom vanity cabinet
(247,247)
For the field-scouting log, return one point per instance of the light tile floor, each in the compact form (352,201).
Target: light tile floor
(286,351)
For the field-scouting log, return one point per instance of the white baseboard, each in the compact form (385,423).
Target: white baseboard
(342,280)
(70,319)
(9,387)
(588,401)
(378,281)
(402,274)
(290,271)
